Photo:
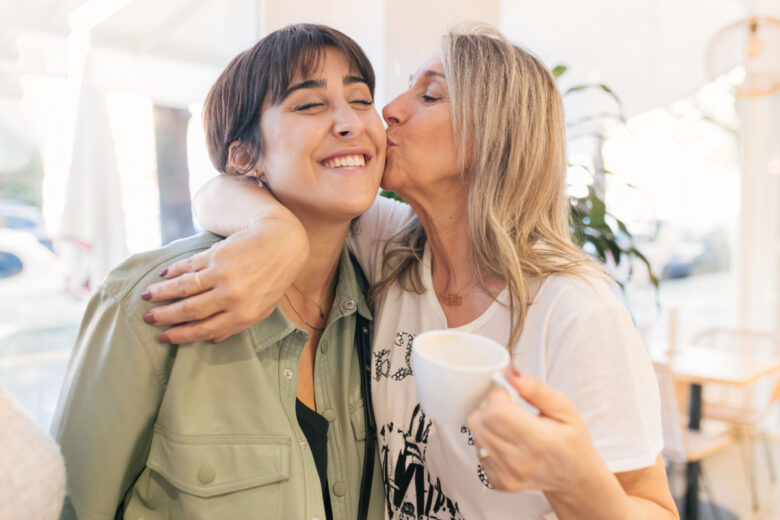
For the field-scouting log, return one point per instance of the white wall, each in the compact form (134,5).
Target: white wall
(414,30)
(362,20)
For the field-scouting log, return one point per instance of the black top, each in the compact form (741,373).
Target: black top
(315,428)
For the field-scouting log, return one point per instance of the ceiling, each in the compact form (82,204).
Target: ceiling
(650,51)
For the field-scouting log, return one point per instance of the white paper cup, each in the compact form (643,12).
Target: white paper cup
(453,371)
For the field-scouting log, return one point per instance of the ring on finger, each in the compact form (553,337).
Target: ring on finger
(482,453)
(197,280)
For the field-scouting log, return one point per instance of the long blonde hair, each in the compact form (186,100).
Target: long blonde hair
(510,133)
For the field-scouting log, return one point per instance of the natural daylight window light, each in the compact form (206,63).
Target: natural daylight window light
(676,184)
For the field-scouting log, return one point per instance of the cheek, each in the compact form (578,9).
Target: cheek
(444,143)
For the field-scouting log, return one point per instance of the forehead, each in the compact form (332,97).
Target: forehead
(325,61)
(432,63)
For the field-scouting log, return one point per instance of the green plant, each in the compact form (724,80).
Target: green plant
(590,222)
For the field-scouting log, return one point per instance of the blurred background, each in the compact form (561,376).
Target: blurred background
(674,145)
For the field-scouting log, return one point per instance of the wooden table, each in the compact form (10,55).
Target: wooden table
(699,365)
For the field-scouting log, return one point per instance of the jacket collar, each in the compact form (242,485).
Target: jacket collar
(349,299)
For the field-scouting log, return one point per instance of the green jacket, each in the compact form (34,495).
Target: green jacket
(203,431)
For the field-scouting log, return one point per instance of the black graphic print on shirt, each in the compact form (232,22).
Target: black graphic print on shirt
(480,472)
(382,363)
(412,492)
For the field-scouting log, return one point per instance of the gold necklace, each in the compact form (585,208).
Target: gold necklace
(322,311)
(452,299)
(320,329)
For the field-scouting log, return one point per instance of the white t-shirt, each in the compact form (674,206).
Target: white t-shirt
(578,337)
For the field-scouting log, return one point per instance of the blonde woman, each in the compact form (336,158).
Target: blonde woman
(476,147)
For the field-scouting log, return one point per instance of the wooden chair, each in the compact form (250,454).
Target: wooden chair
(743,408)
(681,444)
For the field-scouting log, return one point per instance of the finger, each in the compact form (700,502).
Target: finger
(502,417)
(226,331)
(192,264)
(504,463)
(189,284)
(550,402)
(194,308)
(499,402)
(200,330)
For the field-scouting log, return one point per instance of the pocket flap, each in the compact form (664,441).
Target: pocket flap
(208,465)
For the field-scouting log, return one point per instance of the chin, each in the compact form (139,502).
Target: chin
(390,180)
(358,207)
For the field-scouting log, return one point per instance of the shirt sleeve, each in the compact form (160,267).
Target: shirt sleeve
(598,359)
(372,231)
(104,420)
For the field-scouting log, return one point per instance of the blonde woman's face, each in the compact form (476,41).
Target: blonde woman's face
(421,158)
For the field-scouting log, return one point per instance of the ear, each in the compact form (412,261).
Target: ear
(240,159)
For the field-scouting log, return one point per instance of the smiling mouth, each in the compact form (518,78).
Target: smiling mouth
(348,162)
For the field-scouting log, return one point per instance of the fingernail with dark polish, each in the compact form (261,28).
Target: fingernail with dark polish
(163,339)
(149,318)
(146,295)
(163,272)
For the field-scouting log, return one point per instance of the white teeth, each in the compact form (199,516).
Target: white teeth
(345,161)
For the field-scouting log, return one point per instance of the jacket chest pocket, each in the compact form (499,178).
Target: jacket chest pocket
(358,419)
(225,476)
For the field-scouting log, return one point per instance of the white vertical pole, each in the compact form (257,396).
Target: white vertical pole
(759,251)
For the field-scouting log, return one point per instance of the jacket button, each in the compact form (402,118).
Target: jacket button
(348,305)
(339,489)
(288,373)
(207,474)
(329,415)
(324,346)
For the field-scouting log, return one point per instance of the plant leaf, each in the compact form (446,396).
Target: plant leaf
(653,278)
(391,195)
(576,88)
(559,70)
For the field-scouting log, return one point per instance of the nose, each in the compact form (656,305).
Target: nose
(347,123)
(394,112)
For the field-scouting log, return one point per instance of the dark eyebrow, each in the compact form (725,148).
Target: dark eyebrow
(351,80)
(312,83)
(319,83)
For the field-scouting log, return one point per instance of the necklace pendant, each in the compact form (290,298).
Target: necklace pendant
(452,300)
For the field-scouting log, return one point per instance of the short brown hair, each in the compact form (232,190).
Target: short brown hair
(232,110)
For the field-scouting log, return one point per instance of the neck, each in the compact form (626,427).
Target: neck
(443,215)
(445,220)
(316,279)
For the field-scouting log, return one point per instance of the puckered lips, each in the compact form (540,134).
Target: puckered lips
(347,161)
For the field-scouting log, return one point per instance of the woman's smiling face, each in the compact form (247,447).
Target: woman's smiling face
(324,144)
(421,146)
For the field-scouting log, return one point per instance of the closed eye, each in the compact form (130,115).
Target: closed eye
(308,106)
